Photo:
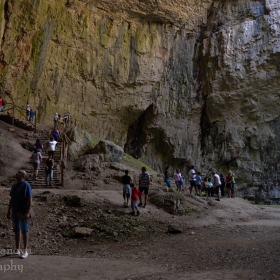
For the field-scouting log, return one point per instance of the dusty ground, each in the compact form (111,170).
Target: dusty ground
(231,239)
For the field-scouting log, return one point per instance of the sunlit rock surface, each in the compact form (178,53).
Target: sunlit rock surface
(172,82)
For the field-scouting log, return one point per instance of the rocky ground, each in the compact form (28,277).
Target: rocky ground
(82,231)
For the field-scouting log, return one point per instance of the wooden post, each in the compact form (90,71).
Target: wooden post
(61,174)
(62,166)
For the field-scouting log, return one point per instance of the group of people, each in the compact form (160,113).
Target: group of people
(30,114)
(19,209)
(36,159)
(179,179)
(198,184)
(62,120)
(217,186)
(130,191)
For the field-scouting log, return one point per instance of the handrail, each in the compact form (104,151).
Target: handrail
(18,108)
(26,117)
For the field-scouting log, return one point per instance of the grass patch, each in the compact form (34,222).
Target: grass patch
(190,210)
(136,163)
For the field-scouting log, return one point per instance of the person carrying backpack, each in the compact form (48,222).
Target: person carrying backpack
(144,185)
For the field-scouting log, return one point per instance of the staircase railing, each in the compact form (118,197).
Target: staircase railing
(19,110)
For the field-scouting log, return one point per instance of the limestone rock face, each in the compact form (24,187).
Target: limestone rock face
(108,151)
(81,141)
(238,62)
(172,82)
(108,63)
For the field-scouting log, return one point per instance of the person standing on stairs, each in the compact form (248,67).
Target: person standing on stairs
(51,146)
(36,159)
(31,115)
(49,165)
(39,146)
(55,119)
(28,108)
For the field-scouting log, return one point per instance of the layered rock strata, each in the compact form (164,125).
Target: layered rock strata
(172,82)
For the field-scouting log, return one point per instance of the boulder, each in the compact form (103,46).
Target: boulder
(82,232)
(87,163)
(174,229)
(109,150)
(172,202)
(81,142)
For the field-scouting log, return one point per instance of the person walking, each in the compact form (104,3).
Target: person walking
(144,186)
(126,188)
(167,177)
(51,146)
(178,180)
(28,108)
(135,194)
(20,206)
(55,119)
(1,104)
(192,180)
(209,187)
(217,184)
(198,182)
(39,146)
(31,115)
(36,159)
(223,183)
(56,134)
(229,184)
(49,165)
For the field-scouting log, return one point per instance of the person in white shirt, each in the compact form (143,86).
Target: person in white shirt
(192,180)
(217,184)
(51,146)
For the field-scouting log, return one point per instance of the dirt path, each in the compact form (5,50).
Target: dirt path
(56,267)
(231,240)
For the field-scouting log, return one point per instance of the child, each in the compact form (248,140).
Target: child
(134,199)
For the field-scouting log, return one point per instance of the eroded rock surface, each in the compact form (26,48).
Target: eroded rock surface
(171,82)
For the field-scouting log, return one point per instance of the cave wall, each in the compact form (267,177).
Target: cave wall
(238,58)
(107,62)
(173,82)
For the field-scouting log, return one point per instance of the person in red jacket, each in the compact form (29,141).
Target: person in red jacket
(134,199)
